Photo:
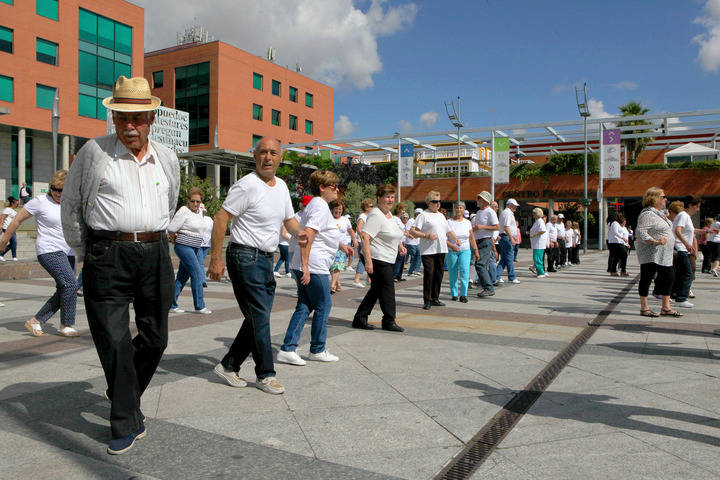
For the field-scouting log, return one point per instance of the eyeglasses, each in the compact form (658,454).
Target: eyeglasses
(434,201)
(663,196)
(194,201)
(58,190)
(140,118)
(334,187)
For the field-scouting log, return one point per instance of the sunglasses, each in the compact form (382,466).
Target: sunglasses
(194,201)
(435,201)
(58,190)
(334,187)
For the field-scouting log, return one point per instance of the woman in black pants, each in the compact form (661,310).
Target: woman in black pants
(381,245)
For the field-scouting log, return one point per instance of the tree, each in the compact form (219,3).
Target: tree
(354,194)
(211,203)
(634,146)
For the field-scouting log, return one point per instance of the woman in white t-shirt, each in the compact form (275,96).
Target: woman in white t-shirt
(381,244)
(459,257)
(187,228)
(311,269)
(713,239)
(433,229)
(347,237)
(367,204)
(7,216)
(54,254)
(537,242)
(284,248)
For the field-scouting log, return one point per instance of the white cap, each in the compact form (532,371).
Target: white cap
(418,210)
(512,201)
(560,215)
(466,214)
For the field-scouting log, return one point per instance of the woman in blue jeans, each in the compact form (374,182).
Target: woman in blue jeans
(187,228)
(311,266)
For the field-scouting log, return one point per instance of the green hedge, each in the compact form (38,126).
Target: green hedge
(711,165)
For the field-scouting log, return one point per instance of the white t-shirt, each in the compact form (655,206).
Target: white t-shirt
(537,242)
(207,234)
(560,227)
(49,228)
(187,222)
(10,212)
(507,219)
(569,237)
(259,211)
(683,221)
(343,225)
(385,236)
(615,233)
(552,231)
(716,236)
(462,232)
(429,222)
(411,241)
(485,217)
(317,216)
(624,234)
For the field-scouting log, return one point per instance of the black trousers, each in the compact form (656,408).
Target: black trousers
(382,288)
(114,275)
(551,254)
(664,277)
(707,258)
(433,271)
(562,252)
(618,254)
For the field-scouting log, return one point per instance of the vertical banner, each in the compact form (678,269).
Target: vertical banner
(325,154)
(171,128)
(610,153)
(501,160)
(407,155)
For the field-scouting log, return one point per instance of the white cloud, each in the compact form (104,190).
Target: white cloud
(518,131)
(674,121)
(405,126)
(428,119)
(709,53)
(343,126)
(597,109)
(333,41)
(625,85)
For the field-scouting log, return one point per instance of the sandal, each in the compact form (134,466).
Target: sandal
(648,313)
(33,326)
(670,313)
(67,331)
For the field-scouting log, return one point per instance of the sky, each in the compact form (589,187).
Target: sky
(394,63)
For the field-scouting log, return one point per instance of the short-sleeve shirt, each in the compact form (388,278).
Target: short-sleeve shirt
(317,216)
(614,233)
(551,231)
(411,241)
(50,236)
(259,210)
(207,234)
(683,221)
(486,216)
(385,236)
(10,212)
(560,226)
(429,222)
(343,225)
(462,232)
(714,237)
(537,242)
(507,219)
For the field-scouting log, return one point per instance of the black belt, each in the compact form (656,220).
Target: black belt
(503,234)
(142,237)
(237,246)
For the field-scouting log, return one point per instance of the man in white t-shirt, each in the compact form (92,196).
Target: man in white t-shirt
(484,224)
(562,259)
(685,244)
(552,247)
(258,205)
(508,228)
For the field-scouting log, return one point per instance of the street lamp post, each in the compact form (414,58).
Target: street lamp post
(55,125)
(454,118)
(584,113)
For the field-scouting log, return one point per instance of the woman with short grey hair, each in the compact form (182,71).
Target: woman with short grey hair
(459,257)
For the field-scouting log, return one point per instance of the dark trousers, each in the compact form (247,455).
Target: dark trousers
(617,254)
(254,287)
(663,279)
(62,269)
(482,264)
(433,271)
(382,288)
(116,274)
(552,258)
(562,252)
(707,258)
(683,276)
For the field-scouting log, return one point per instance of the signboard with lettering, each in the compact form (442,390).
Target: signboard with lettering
(501,160)
(406,173)
(610,153)
(170,128)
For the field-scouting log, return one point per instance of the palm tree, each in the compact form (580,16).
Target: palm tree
(634,146)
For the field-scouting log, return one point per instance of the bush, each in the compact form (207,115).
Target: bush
(211,203)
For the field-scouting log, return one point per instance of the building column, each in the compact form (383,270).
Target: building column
(234,174)
(217,181)
(551,208)
(65,152)
(21,157)
(501,205)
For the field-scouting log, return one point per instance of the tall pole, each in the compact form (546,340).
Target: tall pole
(55,120)
(601,200)
(458,151)
(587,202)
(399,192)
(492,166)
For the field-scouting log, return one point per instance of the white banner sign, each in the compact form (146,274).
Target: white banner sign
(406,173)
(610,153)
(501,160)
(170,128)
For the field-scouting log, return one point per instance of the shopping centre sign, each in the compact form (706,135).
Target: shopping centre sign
(170,128)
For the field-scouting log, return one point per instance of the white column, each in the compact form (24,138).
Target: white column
(21,157)
(217,181)
(551,208)
(234,173)
(65,152)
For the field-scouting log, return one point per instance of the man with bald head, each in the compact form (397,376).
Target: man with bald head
(258,205)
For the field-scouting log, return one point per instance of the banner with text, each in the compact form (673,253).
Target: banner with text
(170,128)
(610,153)
(501,160)
(406,174)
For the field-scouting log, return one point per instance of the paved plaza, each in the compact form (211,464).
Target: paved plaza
(640,399)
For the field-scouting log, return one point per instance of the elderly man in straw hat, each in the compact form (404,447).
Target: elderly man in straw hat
(118,199)
(485,223)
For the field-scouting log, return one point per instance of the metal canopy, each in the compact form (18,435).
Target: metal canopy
(220,156)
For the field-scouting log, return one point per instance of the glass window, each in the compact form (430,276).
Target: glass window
(87,106)
(292,122)
(106,32)
(192,84)
(47,8)
(158,79)
(9,2)
(44,96)
(308,100)
(106,72)
(257,81)
(6,40)
(88,26)
(276,118)
(276,88)
(122,69)
(256,138)
(293,94)
(257,112)
(6,88)
(46,51)
(123,38)
(308,127)
(87,68)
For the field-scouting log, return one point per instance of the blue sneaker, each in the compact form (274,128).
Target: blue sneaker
(118,446)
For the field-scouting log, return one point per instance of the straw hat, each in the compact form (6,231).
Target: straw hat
(485,195)
(131,95)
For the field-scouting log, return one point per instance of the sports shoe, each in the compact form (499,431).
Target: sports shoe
(230,377)
(269,385)
(685,304)
(288,275)
(486,293)
(350,268)
(358,284)
(500,280)
(323,356)
(278,274)
(204,311)
(691,294)
(715,273)
(68,331)
(463,299)
(532,268)
(118,446)
(15,259)
(516,281)
(291,358)
(177,310)
(2,259)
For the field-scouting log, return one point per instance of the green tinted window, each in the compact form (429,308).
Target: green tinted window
(105,72)
(192,86)
(46,51)
(6,40)
(308,100)
(276,88)
(123,38)
(293,94)
(122,69)
(256,138)
(257,81)
(308,127)
(44,96)
(88,26)
(158,79)
(87,68)
(276,118)
(47,8)
(106,32)
(86,106)
(6,88)
(257,111)
(292,122)
(9,2)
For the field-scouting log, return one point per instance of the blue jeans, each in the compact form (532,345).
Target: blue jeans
(415,260)
(254,287)
(190,267)
(516,249)
(507,256)
(398,267)
(202,254)
(485,264)
(458,263)
(285,256)
(315,296)
(12,245)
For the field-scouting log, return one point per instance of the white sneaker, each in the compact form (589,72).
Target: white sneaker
(684,304)
(204,311)
(230,377)
(177,310)
(501,281)
(516,281)
(278,274)
(2,260)
(350,269)
(68,332)
(2,304)
(269,385)
(15,259)
(288,275)
(291,358)
(323,356)
(358,284)
(542,276)
(714,272)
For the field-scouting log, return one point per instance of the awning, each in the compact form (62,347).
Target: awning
(220,156)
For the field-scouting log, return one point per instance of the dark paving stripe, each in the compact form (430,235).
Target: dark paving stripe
(479,448)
